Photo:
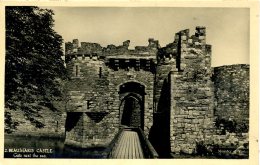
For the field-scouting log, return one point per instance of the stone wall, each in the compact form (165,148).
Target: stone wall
(94,91)
(87,130)
(90,96)
(191,92)
(232,93)
(143,77)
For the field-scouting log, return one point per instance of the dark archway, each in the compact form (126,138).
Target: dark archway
(132,87)
(132,112)
(132,104)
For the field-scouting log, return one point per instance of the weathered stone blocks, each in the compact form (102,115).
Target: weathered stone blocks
(178,83)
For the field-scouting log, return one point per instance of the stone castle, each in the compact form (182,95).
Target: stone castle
(172,93)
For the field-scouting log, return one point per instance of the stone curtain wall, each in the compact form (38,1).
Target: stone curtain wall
(93,92)
(232,93)
(87,132)
(88,90)
(191,92)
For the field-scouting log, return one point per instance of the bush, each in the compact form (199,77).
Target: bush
(231,126)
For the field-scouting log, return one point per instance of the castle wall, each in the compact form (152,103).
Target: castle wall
(232,93)
(191,92)
(179,101)
(91,95)
(93,91)
(120,77)
(161,78)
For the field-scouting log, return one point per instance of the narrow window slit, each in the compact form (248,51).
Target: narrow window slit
(77,70)
(100,72)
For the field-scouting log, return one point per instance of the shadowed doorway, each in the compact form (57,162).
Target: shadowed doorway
(132,105)
(131,116)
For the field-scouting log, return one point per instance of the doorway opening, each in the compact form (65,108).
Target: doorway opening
(132,105)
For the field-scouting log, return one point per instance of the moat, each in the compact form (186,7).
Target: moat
(58,149)
(46,147)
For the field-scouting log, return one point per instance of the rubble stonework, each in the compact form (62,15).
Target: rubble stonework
(191,92)
(94,88)
(168,87)
(232,93)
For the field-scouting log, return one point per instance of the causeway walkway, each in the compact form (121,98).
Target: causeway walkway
(128,146)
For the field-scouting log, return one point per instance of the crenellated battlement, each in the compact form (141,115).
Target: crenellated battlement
(184,46)
(175,54)
(94,49)
(116,57)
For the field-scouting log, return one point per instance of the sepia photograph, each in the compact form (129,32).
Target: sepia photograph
(108,82)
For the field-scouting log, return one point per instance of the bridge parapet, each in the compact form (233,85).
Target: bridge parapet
(131,143)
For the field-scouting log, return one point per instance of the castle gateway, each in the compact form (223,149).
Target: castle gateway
(168,92)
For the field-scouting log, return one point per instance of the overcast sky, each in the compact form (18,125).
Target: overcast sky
(227,28)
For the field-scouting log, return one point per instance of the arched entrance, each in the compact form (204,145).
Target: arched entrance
(132,104)
(132,112)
